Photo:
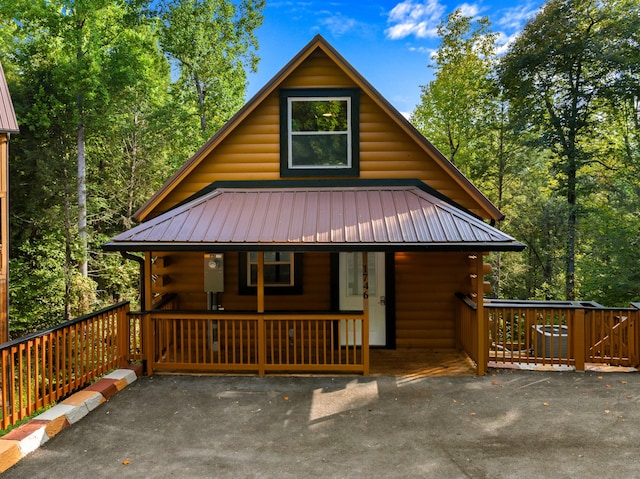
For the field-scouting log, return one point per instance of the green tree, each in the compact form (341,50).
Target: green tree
(211,43)
(74,39)
(455,104)
(572,54)
(80,63)
(463,113)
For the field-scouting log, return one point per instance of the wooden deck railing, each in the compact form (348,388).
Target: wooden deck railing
(251,342)
(467,327)
(564,333)
(42,368)
(612,336)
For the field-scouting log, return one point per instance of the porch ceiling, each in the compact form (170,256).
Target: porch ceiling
(374,218)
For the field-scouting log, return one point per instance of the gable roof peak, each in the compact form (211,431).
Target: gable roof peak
(318,42)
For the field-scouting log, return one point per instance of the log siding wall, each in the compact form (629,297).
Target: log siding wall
(183,274)
(426,284)
(252,150)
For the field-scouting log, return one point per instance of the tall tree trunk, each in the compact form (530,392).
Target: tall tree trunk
(82,192)
(201,105)
(571,225)
(67,248)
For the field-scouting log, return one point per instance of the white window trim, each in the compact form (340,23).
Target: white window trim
(291,133)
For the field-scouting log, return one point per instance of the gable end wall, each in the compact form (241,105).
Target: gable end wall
(252,150)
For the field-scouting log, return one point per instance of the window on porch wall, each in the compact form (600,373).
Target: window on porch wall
(278,269)
(282,273)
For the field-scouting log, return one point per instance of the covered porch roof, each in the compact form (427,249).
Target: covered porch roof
(315,218)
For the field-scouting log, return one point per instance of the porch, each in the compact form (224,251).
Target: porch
(41,369)
(273,343)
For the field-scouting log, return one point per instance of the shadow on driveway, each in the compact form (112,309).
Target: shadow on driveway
(508,424)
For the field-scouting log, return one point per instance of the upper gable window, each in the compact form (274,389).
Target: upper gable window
(319,132)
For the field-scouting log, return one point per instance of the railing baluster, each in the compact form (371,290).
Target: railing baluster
(41,368)
(554,334)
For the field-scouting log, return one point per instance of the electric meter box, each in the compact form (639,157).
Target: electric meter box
(214,272)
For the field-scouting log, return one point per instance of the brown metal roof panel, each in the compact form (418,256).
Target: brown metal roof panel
(405,219)
(298,214)
(8,122)
(174,227)
(171,227)
(392,225)
(350,208)
(283,223)
(272,201)
(477,234)
(469,233)
(224,226)
(246,217)
(310,221)
(259,218)
(418,218)
(211,208)
(191,220)
(433,222)
(365,227)
(321,216)
(449,225)
(378,224)
(336,219)
(157,232)
(323,231)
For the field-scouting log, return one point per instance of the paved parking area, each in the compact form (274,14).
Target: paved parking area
(508,424)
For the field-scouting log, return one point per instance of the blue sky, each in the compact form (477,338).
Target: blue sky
(388,41)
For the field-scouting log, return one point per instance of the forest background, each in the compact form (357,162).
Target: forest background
(112,96)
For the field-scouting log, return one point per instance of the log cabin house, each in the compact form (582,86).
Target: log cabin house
(8,125)
(316,225)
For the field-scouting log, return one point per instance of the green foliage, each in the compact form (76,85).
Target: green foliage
(212,43)
(37,286)
(454,106)
(96,103)
(569,59)
(554,144)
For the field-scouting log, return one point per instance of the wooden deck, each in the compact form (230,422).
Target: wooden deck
(419,363)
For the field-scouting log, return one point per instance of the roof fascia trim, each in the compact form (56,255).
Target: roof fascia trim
(323,247)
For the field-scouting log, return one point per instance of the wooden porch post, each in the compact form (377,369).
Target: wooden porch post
(260,307)
(579,328)
(483,323)
(4,238)
(122,338)
(146,303)
(365,313)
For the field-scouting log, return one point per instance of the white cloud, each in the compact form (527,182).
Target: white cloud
(418,18)
(515,18)
(511,22)
(430,52)
(339,24)
(503,42)
(469,10)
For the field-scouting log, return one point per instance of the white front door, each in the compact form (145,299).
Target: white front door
(351,293)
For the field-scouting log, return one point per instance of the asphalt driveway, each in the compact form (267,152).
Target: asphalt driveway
(508,424)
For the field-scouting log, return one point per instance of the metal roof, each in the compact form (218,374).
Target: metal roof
(399,218)
(8,122)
